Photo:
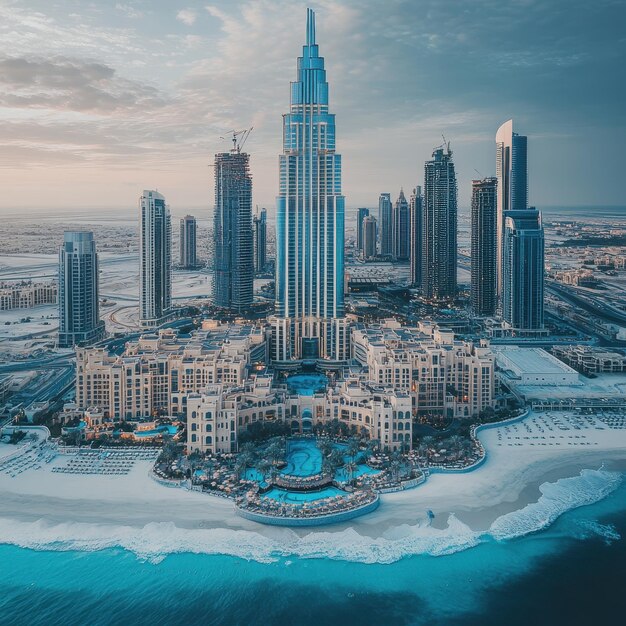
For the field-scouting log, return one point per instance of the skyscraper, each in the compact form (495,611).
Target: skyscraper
(233,272)
(155,260)
(385,224)
(79,311)
(310,220)
(188,230)
(417,226)
(369,237)
(440,226)
(523,278)
(361,215)
(512,174)
(401,229)
(260,240)
(484,276)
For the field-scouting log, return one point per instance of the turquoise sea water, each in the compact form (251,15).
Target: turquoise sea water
(569,573)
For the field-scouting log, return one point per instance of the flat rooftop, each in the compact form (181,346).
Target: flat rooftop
(529,361)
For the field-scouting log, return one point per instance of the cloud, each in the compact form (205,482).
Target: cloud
(186,16)
(129,10)
(71,84)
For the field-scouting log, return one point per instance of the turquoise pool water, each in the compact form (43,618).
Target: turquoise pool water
(307,384)
(295,497)
(161,430)
(304,458)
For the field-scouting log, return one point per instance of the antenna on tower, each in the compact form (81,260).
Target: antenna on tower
(239,138)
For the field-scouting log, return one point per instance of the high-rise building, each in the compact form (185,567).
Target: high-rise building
(233,270)
(260,240)
(440,226)
(155,260)
(401,229)
(79,311)
(385,224)
(484,278)
(523,276)
(188,230)
(369,237)
(512,174)
(310,220)
(417,226)
(361,215)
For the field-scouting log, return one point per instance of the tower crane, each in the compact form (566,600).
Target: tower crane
(239,138)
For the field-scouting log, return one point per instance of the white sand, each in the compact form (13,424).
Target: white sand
(506,482)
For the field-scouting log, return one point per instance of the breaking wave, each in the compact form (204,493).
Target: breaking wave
(155,541)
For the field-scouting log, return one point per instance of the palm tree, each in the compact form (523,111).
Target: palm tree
(353,448)
(263,467)
(325,447)
(350,468)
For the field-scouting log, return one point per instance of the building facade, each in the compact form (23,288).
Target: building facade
(369,238)
(441,375)
(401,229)
(417,226)
(155,260)
(439,238)
(385,224)
(79,308)
(310,227)
(260,241)
(26,294)
(523,271)
(484,247)
(233,268)
(512,175)
(188,235)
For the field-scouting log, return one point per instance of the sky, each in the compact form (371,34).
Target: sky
(100,100)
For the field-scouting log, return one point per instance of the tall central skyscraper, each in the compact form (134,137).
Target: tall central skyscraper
(233,271)
(260,240)
(361,215)
(439,227)
(155,260)
(310,218)
(512,175)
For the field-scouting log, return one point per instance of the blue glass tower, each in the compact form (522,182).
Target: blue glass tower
(309,214)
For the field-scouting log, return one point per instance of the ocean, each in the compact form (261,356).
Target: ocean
(571,572)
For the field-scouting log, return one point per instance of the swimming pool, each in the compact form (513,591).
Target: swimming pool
(307,384)
(298,497)
(165,429)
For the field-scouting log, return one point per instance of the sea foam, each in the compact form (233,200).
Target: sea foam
(155,541)
(556,498)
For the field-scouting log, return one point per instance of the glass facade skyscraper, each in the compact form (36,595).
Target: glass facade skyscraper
(512,175)
(188,230)
(260,240)
(401,232)
(155,260)
(417,227)
(79,312)
(385,224)
(523,288)
(439,239)
(310,215)
(484,247)
(361,215)
(233,269)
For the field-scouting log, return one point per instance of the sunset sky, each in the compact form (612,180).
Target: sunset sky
(99,100)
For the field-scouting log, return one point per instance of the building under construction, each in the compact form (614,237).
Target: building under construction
(233,274)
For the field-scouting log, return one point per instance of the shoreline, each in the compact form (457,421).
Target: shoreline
(44,506)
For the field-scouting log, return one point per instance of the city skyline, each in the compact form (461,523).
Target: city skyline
(92,107)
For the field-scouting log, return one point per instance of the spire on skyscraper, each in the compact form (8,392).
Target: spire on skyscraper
(310,27)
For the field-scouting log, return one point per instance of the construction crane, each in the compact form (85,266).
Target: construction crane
(239,138)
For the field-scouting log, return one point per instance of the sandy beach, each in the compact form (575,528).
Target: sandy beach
(136,512)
